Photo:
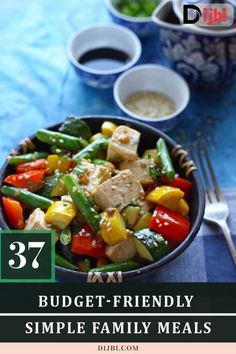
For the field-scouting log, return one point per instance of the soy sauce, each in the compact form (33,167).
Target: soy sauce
(104,59)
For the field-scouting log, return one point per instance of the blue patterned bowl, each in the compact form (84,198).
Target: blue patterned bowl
(204,57)
(97,36)
(150,77)
(142,26)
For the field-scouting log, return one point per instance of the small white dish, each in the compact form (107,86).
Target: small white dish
(100,36)
(151,77)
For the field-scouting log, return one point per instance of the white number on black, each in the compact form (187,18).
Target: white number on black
(20,247)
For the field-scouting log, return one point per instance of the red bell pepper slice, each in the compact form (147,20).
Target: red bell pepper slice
(32,180)
(36,165)
(85,242)
(170,224)
(178,182)
(14,213)
(73,164)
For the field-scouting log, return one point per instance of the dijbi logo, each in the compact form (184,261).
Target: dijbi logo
(208,15)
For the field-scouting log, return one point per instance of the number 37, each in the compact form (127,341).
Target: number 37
(20,248)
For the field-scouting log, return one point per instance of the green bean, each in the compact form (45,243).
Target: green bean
(65,236)
(61,140)
(99,162)
(165,159)
(91,151)
(64,246)
(83,204)
(115,267)
(84,265)
(23,195)
(62,262)
(14,160)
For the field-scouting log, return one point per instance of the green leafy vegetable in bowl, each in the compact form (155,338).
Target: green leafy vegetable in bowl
(137,8)
(76,127)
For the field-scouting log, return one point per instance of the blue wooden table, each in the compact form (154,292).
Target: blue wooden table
(38,87)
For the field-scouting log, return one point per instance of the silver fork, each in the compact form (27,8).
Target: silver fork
(217,210)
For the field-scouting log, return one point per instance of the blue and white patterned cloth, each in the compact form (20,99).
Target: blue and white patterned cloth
(207,259)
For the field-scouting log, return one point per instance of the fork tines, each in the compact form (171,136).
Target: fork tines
(214,194)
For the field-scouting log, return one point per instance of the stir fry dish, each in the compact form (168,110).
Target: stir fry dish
(111,209)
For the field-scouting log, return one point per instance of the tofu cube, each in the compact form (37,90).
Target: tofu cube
(122,251)
(66,198)
(123,145)
(118,191)
(36,221)
(93,175)
(140,168)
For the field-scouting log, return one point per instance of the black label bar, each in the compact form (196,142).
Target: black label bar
(118,329)
(172,298)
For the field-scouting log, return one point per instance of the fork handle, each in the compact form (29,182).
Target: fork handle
(228,238)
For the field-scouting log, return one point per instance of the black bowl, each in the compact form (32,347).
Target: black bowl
(149,136)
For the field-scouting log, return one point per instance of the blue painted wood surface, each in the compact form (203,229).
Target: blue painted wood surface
(38,86)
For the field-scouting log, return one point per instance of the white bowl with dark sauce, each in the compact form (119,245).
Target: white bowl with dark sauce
(100,53)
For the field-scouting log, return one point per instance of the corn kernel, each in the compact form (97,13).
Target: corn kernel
(108,128)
